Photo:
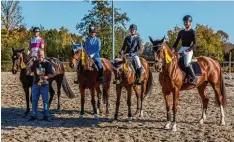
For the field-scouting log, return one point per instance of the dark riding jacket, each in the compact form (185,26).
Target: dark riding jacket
(132,45)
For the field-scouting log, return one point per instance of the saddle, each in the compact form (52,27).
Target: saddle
(57,68)
(195,65)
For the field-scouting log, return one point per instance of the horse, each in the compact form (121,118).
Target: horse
(20,59)
(125,77)
(171,78)
(87,74)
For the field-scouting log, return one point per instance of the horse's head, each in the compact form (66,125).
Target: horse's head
(121,69)
(16,59)
(76,54)
(159,54)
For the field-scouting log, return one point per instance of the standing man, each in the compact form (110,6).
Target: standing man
(42,72)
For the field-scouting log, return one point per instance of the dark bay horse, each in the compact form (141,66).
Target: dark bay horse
(171,79)
(87,78)
(125,77)
(20,59)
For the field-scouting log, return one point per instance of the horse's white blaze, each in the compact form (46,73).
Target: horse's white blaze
(222,115)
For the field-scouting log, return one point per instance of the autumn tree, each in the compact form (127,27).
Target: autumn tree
(100,16)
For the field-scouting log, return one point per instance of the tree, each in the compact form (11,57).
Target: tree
(11,15)
(223,36)
(101,17)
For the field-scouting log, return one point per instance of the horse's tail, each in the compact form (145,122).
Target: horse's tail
(223,88)
(67,88)
(149,83)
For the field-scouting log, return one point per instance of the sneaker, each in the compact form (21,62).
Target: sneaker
(32,118)
(45,118)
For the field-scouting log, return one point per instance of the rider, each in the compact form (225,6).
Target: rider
(189,42)
(132,46)
(93,47)
(36,43)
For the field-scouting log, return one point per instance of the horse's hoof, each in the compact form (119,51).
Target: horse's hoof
(129,119)
(201,121)
(222,122)
(95,116)
(141,113)
(168,126)
(174,127)
(81,117)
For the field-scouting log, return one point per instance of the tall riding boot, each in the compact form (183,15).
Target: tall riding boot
(100,76)
(138,76)
(192,79)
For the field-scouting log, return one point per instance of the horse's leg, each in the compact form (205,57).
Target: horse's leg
(205,100)
(166,95)
(136,89)
(82,95)
(26,91)
(143,90)
(59,80)
(51,90)
(92,91)
(118,93)
(217,90)
(98,91)
(175,104)
(107,94)
(129,102)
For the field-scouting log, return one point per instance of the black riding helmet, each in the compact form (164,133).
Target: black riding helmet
(92,29)
(133,27)
(36,29)
(188,18)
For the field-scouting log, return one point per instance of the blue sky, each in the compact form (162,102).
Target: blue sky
(152,18)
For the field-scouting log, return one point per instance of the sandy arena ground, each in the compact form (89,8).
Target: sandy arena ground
(67,127)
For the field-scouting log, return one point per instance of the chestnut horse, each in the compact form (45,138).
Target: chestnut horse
(171,79)
(87,77)
(125,77)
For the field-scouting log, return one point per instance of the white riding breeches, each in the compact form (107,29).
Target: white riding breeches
(188,57)
(137,61)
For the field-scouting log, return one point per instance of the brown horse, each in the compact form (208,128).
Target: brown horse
(125,77)
(171,79)
(87,75)
(20,59)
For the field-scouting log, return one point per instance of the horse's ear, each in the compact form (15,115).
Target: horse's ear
(151,39)
(162,40)
(13,49)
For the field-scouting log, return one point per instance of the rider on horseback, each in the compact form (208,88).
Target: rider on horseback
(189,42)
(132,46)
(92,46)
(36,43)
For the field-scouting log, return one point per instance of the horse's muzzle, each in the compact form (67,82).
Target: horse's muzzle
(14,71)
